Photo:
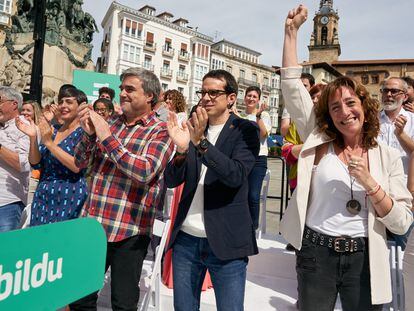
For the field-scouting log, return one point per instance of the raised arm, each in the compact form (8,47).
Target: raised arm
(297,99)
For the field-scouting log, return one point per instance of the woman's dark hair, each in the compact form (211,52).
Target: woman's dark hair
(370,107)
(108,104)
(253,88)
(227,77)
(319,87)
(68,90)
(108,91)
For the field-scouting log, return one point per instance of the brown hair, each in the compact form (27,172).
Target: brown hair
(319,87)
(370,107)
(178,100)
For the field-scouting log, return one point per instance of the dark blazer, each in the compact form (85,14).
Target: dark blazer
(227,220)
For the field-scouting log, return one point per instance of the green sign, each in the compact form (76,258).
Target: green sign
(90,82)
(47,267)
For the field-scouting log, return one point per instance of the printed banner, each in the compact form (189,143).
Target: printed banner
(47,267)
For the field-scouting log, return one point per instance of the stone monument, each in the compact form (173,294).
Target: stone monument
(69,32)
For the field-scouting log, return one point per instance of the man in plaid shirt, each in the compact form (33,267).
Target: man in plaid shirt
(128,162)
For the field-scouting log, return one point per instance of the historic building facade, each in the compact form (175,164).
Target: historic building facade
(178,54)
(243,64)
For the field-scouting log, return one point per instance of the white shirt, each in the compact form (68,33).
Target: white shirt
(330,192)
(264,151)
(388,137)
(194,222)
(14,184)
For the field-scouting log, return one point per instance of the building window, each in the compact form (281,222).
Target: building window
(229,69)
(131,53)
(324,35)
(364,79)
(254,77)
(133,29)
(181,90)
(216,64)
(200,71)
(266,81)
(164,86)
(183,50)
(150,39)
(168,44)
(195,96)
(242,73)
(5,6)
(166,65)
(374,79)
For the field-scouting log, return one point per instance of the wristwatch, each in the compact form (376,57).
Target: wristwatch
(259,115)
(203,145)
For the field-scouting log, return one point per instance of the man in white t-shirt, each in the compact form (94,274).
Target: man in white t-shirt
(397,129)
(396,124)
(213,230)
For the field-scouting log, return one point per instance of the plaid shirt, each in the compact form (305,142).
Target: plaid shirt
(126,175)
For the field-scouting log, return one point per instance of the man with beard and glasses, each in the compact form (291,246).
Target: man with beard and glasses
(397,124)
(397,130)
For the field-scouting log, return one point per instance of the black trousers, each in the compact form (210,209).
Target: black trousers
(323,273)
(125,259)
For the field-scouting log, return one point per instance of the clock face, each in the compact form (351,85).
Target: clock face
(324,20)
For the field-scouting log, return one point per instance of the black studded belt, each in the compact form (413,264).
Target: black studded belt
(339,244)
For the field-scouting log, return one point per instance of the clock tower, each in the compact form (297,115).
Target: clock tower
(324,43)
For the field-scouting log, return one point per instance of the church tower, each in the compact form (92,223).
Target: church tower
(324,43)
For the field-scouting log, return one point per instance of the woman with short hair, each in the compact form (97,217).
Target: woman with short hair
(62,188)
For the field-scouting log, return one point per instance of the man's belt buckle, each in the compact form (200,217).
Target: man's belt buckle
(341,245)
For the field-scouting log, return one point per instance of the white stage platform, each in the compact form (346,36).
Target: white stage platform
(271,281)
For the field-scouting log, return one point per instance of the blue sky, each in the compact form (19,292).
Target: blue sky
(369,29)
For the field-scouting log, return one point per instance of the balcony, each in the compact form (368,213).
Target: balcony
(266,88)
(245,82)
(182,76)
(150,46)
(168,51)
(166,73)
(148,66)
(184,56)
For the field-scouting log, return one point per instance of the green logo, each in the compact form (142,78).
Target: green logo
(90,82)
(50,266)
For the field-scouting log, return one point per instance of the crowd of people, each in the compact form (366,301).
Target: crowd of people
(351,178)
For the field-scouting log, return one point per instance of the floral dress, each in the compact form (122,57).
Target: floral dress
(61,193)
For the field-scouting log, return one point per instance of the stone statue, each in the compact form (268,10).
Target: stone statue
(16,73)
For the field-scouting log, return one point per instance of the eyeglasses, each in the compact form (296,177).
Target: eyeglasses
(394,92)
(213,94)
(3,100)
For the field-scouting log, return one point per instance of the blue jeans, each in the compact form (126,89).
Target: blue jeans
(10,215)
(256,177)
(191,258)
(400,240)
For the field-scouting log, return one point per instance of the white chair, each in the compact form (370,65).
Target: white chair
(152,295)
(396,264)
(263,199)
